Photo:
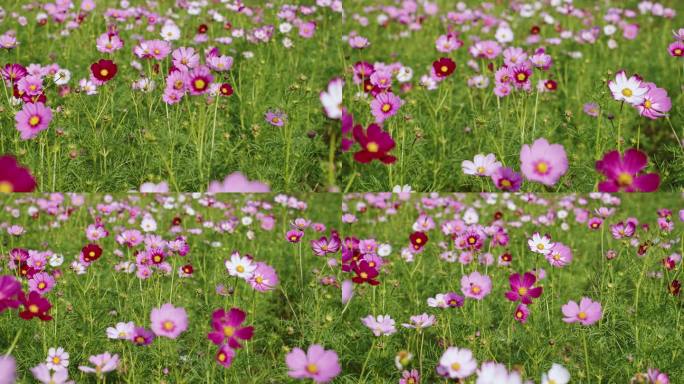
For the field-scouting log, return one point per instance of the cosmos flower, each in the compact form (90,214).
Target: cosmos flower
(656,102)
(43,373)
(457,363)
(225,356)
(623,172)
(31,119)
(14,178)
(317,364)
(382,325)
(375,144)
(34,306)
(558,374)
(276,118)
(141,336)
(543,162)
(105,362)
(104,70)
(227,328)
(630,90)
(121,331)
(506,179)
(443,67)
(384,106)
(481,165)
(540,244)
(236,182)
(365,273)
(521,313)
(169,321)
(587,312)
(559,255)
(522,288)
(332,98)
(10,289)
(475,285)
(240,266)
(420,321)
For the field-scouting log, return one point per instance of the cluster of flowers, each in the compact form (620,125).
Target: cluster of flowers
(651,102)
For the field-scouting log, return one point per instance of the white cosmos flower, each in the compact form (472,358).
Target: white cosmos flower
(626,89)
(332,99)
(56,260)
(540,244)
(121,330)
(482,165)
(558,374)
(62,76)
(240,266)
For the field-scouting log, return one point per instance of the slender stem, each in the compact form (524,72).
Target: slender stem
(586,352)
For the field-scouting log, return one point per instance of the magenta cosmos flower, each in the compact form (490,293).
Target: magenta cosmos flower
(236,182)
(521,288)
(385,105)
(375,144)
(10,289)
(227,327)
(475,285)
(33,118)
(543,162)
(13,177)
(316,364)
(656,103)
(623,172)
(169,321)
(506,179)
(587,312)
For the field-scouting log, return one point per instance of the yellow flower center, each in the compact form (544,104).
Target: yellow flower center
(139,339)
(625,179)
(91,254)
(386,107)
(56,360)
(34,120)
(275,120)
(240,268)
(104,72)
(455,366)
(582,315)
(480,170)
(506,183)
(200,84)
(33,308)
(6,187)
(540,246)
(228,331)
(168,325)
(522,291)
(678,52)
(542,167)
(41,285)
(627,92)
(222,356)
(259,279)
(372,147)
(475,289)
(312,368)
(648,104)
(521,76)
(363,275)
(444,68)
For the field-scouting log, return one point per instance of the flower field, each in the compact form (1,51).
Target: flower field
(532,96)
(372,288)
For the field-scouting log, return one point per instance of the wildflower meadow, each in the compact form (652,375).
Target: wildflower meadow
(360,288)
(513,95)
(109,95)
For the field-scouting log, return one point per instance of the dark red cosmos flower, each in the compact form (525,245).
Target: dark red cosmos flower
(104,70)
(188,269)
(34,306)
(91,252)
(375,143)
(226,89)
(674,287)
(13,177)
(365,273)
(202,28)
(418,240)
(444,67)
(551,85)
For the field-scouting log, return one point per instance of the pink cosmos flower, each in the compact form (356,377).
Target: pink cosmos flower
(457,363)
(43,373)
(543,162)
(225,356)
(676,49)
(264,278)
(332,99)
(8,369)
(623,172)
(108,43)
(521,288)
(41,282)
(420,321)
(33,118)
(103,363)
(236,182)
(382,325)
(587,312)
(560,255)
(506,179)
(185,58)
(317,364)
(198,80)
(521,313)
(227,328)
(385,105)
(169,321)
(476,286)
(656,103)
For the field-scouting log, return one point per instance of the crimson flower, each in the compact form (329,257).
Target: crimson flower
(418,240)
(104,70)
(444,67)
(34,306)
(91,252)
(375,143)
(365,273)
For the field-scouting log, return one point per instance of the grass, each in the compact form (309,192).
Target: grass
(640,327)
(120,138)
(436,130)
